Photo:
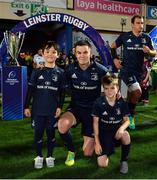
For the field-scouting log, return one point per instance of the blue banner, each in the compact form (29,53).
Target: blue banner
(152,12)
(153,35)
(14,80)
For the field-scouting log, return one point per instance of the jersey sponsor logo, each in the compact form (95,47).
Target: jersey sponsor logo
(41,77)
(47,83)
(111,118)
(129,40)
(104,113)
(74,76)
(104,121)
(83,83)
(135,48)
(137,45)
(47,87)
(111,121)
(84,87)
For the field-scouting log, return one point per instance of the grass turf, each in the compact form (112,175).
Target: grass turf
(17,152)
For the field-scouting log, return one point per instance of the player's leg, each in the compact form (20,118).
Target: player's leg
(87,132)
(125,148)
(66,121)
(50,132)
(107,143)
(134,94)
(88,146)
(39,125)
(102,161)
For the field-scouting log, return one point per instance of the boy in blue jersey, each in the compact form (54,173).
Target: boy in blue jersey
(46,87)
(136,45)
(84,78)
(110,120)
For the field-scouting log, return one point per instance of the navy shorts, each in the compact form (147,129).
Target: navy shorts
(83,116)
(130,78)
(108,141)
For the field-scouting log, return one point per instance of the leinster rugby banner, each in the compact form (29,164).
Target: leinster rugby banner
(67,20)
(14,86)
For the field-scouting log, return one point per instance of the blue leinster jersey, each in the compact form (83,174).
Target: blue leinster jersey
(110,117)
(47,84)
(133,55)
(85,85)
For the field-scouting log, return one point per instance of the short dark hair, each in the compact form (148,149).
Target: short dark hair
(83,43)
(50,44)
(134,17)
(110,78)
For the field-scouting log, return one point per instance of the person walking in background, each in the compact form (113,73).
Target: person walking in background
(46,86)
(38,59)
(136,45)
(71,56)
(110,121)
(84,79)
(145,83)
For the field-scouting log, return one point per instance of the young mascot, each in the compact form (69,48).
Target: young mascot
(46,87)
(111,118)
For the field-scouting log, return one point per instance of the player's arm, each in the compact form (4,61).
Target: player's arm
(58,112)
(61,98)
(123,127)
(147,50)
(27,111)
(98,148)
(60,104)
(114,55)
(125,123)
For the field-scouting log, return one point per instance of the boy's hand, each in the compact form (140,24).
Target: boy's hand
(119,133)
(58,112)
(98,149)
(27,112)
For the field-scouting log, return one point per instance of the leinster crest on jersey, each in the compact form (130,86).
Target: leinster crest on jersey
(55,77)
(118,111)
(94,76)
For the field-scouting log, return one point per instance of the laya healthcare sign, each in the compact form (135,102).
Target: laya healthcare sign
(105,6)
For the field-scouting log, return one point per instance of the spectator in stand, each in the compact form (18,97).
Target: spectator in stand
(71,56)
(61,60)
(38,59)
